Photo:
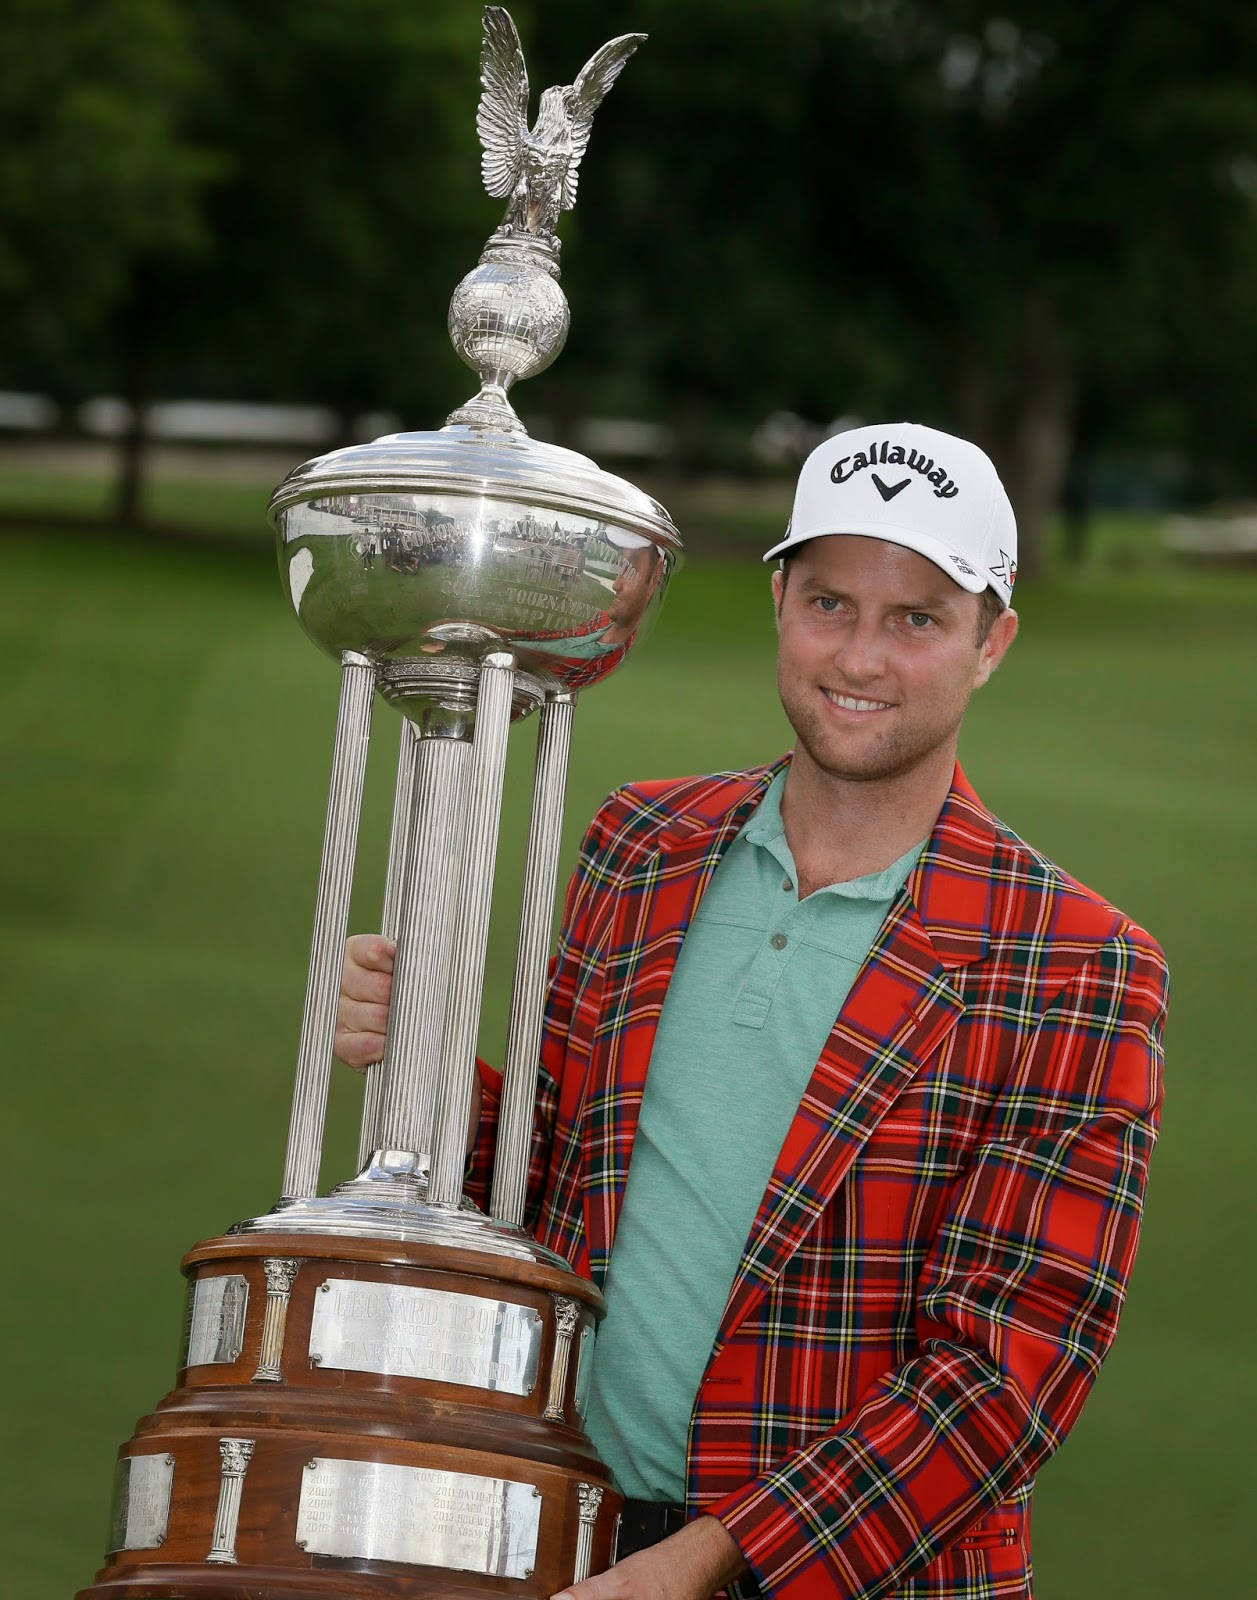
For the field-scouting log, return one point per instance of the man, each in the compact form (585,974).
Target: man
(597,648)
(888,1081)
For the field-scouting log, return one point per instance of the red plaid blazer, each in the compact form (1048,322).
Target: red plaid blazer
(939,1259)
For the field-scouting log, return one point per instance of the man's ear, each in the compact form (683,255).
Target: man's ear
(995,646)
(779,588)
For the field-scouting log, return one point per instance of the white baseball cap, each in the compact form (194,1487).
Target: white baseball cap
(916,487)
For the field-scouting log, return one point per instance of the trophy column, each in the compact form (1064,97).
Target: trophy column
(523,1041)
(331,923)
(422,965)
(471,931)
(390,917)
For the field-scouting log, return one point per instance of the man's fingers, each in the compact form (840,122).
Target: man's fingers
(365,986)
(610,1585)
(369,980)
(358,1050)
(355,1016)
(370,950)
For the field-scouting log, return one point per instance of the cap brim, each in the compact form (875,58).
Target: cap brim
(910,538)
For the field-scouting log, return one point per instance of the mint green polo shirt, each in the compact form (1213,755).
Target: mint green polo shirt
(758,984)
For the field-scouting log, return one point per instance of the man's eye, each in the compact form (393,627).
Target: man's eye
(919,621)
(827,602)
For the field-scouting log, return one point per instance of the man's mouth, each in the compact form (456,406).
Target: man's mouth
(850,702)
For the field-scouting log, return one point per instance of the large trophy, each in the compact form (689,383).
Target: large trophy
(383,1388)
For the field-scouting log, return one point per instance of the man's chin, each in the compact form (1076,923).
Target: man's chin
(877,762)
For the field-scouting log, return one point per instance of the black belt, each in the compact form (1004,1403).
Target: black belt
(646,1522)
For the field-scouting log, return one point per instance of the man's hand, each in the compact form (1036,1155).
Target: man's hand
(692,1564)
(365,986)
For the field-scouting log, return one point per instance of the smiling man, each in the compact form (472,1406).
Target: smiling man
(847,1094)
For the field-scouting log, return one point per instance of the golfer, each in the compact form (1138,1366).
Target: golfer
(847,1093)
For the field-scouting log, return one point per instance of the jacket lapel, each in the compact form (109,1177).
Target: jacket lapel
(655,899)
(900,1009)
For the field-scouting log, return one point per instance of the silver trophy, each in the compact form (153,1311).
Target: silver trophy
(384,1377)
(471,576)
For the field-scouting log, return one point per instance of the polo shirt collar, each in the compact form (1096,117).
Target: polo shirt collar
(765,829)
(950,885)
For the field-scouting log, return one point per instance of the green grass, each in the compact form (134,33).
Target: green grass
(168,732)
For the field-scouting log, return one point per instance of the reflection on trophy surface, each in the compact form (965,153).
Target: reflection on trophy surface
(382,1388)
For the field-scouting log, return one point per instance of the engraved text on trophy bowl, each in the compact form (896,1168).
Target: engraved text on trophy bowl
(378,1511)
(414,1331)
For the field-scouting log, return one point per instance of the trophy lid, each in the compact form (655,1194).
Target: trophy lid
(496,462)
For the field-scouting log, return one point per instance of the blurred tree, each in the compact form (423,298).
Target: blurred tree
(1059,206)
(342,218)
(354,203)
(96,167)
(989,215)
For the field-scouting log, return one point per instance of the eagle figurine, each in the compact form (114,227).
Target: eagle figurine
(537,167)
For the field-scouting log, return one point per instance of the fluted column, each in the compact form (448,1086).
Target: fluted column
(390,918)
(331,923)
(281,1274)
(536,921)
(235,1455)
(566,1322)
(590,1504)
(471,928)
(421,972)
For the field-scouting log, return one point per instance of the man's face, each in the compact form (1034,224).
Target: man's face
(633,587)
(878,653)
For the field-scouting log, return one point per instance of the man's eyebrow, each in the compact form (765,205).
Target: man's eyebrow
(942,603)
(938,603)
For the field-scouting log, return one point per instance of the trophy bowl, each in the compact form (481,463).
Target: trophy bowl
(445,546)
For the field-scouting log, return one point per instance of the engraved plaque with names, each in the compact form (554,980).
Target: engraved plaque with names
(376,1511)
(141,1502)
(405,1330)
(216,1320)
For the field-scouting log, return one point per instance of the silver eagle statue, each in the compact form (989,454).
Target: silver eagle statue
(537,167)
(509,317)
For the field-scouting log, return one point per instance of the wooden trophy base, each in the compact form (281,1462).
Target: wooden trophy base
(368,1418)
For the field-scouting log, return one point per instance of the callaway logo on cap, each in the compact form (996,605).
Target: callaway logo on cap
(916,487)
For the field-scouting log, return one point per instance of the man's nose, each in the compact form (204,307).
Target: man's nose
(860,652)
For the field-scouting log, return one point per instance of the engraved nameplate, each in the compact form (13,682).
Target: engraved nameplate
(412,1332)
(375,1511)
(584,1369)
(216,1320)
(141,1502)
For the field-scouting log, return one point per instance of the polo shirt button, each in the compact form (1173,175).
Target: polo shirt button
(779,941)
(787,885)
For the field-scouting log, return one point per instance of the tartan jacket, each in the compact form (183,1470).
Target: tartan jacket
(938,1262)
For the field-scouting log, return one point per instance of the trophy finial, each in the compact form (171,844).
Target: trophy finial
(508,317)
(537,167)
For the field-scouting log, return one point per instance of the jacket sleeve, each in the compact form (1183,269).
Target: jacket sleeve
(568,970)
(1017,1304)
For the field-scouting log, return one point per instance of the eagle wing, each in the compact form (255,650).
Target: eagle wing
(586,95)
(502,115)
